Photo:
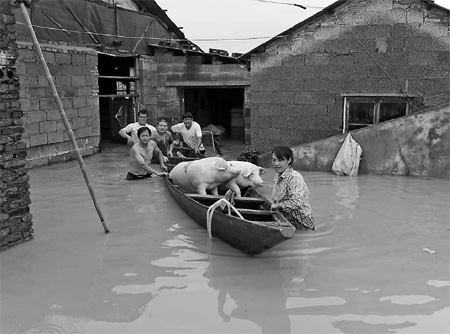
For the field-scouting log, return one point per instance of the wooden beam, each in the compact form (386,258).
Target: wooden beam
(117,77)
(207,83)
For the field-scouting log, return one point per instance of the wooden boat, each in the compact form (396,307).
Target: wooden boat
(249,226)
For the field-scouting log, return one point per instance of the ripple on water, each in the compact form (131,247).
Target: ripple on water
(58,324)
(44,329)
(438,284)
(408,300)
(299,302)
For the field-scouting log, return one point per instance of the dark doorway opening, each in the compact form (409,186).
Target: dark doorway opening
(117,95)
(217,106)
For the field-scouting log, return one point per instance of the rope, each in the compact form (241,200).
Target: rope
(222,203)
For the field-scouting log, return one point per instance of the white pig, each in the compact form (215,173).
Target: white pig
(249,176)
(203,175)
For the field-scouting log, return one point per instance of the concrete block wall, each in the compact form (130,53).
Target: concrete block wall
(169,99)
(74,72)
(414,145)
(16,224)
(377,46)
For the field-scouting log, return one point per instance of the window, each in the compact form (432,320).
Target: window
(364,110)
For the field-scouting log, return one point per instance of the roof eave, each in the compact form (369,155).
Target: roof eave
(153,8)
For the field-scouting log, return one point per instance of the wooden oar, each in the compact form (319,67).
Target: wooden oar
(61,110)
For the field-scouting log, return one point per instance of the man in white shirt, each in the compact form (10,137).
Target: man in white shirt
(130,131)
(190,133)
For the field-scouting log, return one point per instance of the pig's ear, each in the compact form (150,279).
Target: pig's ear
(221,165)
(262,171)
(247,172)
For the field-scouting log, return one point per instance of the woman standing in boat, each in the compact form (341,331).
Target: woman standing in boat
(290,192)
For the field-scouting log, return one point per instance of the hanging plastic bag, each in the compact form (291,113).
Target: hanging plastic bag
(348,157)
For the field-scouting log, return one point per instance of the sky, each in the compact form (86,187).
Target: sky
(238,26)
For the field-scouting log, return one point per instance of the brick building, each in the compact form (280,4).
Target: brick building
(107,65)
(353,64)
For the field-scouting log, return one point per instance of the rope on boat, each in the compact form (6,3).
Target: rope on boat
(222,203)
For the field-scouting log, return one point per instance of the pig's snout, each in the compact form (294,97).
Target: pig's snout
(260,184)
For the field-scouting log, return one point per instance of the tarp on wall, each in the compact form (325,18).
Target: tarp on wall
(86,22)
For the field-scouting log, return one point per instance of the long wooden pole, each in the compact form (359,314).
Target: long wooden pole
(61,111)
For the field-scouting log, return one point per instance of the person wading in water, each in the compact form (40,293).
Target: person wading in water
(141,155)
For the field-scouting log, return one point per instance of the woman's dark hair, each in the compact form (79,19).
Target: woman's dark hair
(187,115)
(142,129)
(283,152)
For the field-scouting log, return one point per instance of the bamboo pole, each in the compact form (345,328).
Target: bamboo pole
(61,110)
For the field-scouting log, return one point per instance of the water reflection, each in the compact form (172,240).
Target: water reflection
(347,191)
(259,299)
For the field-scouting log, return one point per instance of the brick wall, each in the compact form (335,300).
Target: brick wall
(377,46)
(15,218)
(75,74)
(148,87)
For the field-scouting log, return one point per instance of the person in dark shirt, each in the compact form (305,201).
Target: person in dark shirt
(163,138)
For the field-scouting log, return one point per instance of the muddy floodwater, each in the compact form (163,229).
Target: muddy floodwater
(377,263)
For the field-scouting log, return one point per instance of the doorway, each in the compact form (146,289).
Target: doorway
(217,106)
(117,95)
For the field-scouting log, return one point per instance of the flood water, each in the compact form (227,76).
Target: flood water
(377,263)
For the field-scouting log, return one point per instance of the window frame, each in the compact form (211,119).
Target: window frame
(376,100)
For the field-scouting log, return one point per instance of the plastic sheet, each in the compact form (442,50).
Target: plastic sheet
(347,160)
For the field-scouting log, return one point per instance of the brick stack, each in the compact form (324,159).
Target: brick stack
(15,217)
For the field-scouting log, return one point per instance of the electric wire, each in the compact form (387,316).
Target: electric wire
(290,4)
(180,40)
(151,38)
